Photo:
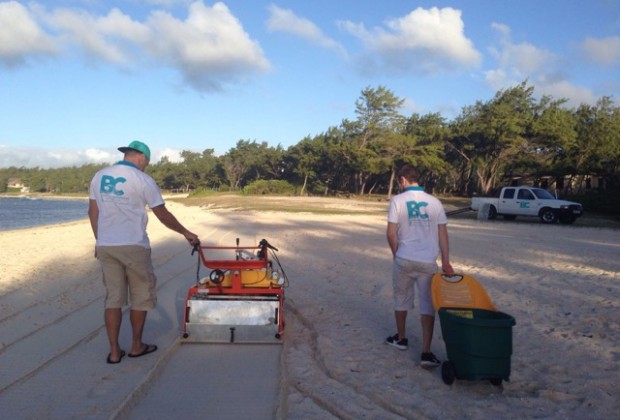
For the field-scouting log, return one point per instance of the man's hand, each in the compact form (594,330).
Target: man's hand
(447,269)
(192,238)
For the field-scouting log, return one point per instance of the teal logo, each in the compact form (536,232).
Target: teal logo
(524,204)
(417,210)
(109,185)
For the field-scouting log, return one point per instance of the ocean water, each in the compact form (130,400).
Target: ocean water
(17,213)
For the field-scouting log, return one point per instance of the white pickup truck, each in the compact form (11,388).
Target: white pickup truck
(528,201)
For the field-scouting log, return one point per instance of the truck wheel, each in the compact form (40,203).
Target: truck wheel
(492,213)
(548,216)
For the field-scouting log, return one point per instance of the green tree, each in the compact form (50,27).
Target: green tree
(423,146)
(377,119)
(488,135)
(597,146)
(250,161)
(302,161)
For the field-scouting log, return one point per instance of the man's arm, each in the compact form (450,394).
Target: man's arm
(444,247)
(392,237)
(171,222)
(93,215)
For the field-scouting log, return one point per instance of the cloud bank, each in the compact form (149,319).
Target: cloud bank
(59,158)
(209,48)
(542,68)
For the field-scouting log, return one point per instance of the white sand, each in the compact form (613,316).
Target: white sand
(559,282)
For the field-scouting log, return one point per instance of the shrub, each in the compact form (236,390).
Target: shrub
(263,187)
(202,192)
(601,202)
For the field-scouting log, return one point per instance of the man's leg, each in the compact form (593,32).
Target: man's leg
(138,319)
(401,323)
(428,325)
(113,318)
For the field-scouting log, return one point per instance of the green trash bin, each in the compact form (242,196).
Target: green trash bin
(478,344)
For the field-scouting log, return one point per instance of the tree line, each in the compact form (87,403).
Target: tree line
(489,144)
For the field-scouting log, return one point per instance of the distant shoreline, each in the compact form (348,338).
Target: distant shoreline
(45,196)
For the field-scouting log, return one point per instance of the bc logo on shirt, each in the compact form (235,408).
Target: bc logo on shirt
(108,185)
(415,210)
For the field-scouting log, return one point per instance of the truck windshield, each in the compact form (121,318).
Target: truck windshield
(542,194)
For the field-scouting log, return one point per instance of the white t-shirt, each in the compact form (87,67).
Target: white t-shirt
(418,215)
(122,192)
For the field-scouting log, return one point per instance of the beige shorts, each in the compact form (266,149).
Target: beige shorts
(128,270)
(405,275)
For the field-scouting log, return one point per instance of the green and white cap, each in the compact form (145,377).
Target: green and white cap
(137,146)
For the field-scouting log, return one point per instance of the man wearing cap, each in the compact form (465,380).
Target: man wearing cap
(118,197)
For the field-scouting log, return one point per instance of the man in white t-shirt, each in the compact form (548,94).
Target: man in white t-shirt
(118,197)
(416,233)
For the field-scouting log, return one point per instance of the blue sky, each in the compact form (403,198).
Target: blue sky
(79,78)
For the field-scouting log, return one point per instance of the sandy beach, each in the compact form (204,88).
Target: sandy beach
(560,283)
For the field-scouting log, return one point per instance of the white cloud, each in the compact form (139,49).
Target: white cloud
(61,158)
(426,40)
(284,20)
(605,51)
(541,68)
(48,158)
(520,59)
(575,95)
(98,155)
(21,36)
(167,3)
(106,37)
(173,155)
(497,79)
(209,48)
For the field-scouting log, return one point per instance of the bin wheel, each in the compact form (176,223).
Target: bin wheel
(496,381)
(448,373)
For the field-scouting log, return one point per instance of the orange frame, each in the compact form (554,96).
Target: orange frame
(236,286)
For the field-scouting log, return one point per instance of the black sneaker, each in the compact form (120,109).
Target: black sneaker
(395,342)
(429,360)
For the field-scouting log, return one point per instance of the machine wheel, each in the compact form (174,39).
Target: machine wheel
(496,381)
(185,335)
(216,276)
(548,216)
(448,373)
(492,213)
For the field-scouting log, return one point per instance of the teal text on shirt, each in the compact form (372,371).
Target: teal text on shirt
(109,185)
(416,210)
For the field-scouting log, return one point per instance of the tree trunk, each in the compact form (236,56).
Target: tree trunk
(391,185)
(303,187)
(372,188)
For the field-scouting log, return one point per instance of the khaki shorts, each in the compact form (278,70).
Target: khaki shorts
(127,270)
(406,274)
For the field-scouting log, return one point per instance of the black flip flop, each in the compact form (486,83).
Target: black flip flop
(112,362)
(150,348)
